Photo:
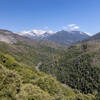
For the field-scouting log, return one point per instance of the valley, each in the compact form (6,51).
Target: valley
(45,70)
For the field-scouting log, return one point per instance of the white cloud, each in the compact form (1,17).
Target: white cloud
(71,25)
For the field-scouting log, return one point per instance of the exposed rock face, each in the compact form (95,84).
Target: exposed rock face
(7,36)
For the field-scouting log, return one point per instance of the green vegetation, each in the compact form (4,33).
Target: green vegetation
(76,68)
(21,82)
(29,52)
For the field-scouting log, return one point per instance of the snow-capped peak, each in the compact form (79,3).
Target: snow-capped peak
(82,33)
(38,32)
(35,32)
(50,32)
(89,34)
(23,32)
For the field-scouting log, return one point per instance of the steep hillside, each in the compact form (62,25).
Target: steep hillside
(68,38)
(95,37)
(26,50)
(7,36)
(21,82)
(78,67)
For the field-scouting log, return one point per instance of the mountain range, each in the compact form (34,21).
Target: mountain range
(41,69)
(62,37)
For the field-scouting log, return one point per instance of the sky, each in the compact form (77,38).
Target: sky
(55,15)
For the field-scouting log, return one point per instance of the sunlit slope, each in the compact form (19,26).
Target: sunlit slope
(21,82)
(26,50)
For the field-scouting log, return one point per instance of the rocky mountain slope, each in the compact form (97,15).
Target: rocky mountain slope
(61,37)
(27,50)
(68,38)
(79,66)
(7,36)
(95,37)
(21,82)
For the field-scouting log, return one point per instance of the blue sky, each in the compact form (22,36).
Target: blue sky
(19,15)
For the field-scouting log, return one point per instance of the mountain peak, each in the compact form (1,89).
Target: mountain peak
(62,37)
(3,31)
(35,32)
(7,36)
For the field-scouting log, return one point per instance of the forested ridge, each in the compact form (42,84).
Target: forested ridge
(78,68)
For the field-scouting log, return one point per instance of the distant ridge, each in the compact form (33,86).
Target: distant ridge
(62,37)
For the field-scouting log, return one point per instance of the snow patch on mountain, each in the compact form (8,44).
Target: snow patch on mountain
(89,34)
(46,35)
(35,32)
